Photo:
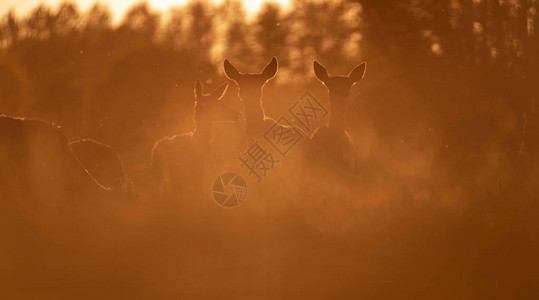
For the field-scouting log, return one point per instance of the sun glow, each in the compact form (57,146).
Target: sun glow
(119,7)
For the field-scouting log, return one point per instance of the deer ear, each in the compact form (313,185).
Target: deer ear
(230,71)
(320,72)
(358,72)
(220,91)
(198,89)
(271,69)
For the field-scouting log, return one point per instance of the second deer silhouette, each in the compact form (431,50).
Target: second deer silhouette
(180,160)
(331,143)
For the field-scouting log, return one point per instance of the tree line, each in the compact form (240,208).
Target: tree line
(458,67)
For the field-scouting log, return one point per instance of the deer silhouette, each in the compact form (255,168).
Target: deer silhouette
(102,162)
(180,160)
(257,123)
(332,144)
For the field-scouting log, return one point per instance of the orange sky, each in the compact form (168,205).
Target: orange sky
(118,7)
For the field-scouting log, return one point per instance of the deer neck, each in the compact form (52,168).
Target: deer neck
(202,136)
(254,117)
(337,117)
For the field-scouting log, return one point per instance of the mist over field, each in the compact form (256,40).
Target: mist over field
(421,182)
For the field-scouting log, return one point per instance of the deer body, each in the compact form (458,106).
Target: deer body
(102,162)
(334,149)
(178,159)
(37,163)
(181,160)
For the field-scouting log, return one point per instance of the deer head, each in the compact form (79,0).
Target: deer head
(210,108)
(339,85)
(250,85)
